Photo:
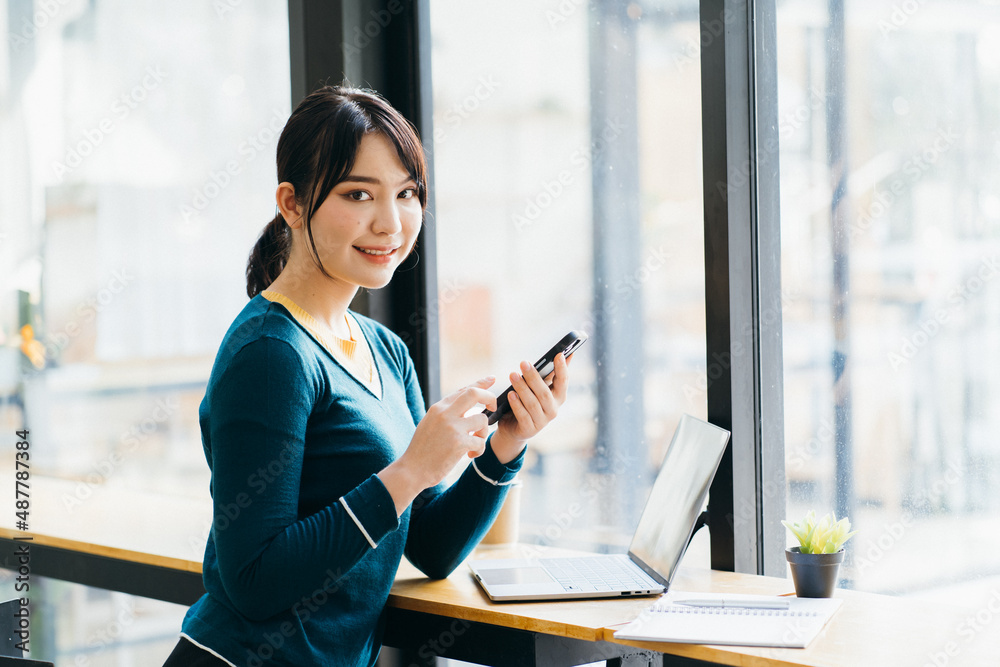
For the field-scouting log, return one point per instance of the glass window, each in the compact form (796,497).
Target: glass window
(890,139)
(569,196)
(137,168)
(79,626)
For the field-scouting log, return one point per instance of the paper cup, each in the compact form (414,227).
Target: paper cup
(505,527)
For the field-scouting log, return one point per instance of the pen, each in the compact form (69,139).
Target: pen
(737,604)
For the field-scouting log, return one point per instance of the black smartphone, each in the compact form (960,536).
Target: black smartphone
(568,345)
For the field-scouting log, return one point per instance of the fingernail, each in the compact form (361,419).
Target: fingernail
(489,378)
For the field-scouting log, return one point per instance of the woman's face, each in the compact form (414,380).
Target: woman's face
(369,222)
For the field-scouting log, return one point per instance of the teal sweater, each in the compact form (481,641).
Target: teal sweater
(305,541)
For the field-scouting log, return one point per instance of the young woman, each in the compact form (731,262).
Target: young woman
(326,469)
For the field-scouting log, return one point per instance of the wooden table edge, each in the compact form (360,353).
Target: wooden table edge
(116,553)
(713,653)
(495,617)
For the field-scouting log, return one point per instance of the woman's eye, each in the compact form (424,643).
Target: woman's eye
(409,193)
(359,195)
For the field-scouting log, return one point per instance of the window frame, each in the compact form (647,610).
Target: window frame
(742,262)
(743,281)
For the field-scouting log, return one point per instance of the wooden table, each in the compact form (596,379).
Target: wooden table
(455,619)
(160,558)
(134,542)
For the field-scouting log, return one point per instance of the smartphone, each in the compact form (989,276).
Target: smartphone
(568,345)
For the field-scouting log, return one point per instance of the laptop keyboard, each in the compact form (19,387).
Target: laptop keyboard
(597,574)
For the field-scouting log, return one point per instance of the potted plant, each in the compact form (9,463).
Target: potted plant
(816,561)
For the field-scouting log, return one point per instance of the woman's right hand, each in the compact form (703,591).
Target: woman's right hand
(443,437)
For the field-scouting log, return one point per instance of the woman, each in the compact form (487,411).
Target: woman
(325,468)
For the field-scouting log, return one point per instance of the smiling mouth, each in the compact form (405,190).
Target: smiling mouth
(377,253)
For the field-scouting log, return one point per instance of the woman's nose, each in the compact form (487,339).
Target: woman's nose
(387,220)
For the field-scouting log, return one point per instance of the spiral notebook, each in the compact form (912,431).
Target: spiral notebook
(668,620)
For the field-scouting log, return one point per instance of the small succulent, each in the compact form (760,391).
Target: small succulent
(826,536)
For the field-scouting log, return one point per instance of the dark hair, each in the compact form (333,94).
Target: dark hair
(316,151)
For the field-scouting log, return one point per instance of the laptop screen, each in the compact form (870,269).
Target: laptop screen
(677,497)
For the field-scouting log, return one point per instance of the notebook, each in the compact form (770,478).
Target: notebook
(668,620)
(658,544)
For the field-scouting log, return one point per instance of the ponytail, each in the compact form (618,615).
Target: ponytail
(268,256)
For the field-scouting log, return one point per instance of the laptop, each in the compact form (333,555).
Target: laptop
(665,527)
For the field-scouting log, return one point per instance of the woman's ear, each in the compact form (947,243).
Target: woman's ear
(289,208)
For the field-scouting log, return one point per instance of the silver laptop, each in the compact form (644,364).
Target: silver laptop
(658,544)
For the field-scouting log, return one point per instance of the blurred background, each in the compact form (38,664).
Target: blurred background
(137,167)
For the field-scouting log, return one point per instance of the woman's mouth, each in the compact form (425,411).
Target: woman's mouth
(377,255)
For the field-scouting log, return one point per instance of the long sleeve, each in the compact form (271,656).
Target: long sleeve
(305,542)
(447,524)
(268,556)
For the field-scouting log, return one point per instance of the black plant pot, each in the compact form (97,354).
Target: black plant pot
(814,575)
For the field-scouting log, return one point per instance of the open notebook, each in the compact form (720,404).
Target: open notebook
(670,621)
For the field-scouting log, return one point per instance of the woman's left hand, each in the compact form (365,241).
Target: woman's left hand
(533,404)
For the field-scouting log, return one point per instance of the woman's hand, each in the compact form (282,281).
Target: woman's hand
(533,404)
(441,439)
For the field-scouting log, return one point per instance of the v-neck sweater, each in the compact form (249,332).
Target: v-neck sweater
(354,357)
(305,541)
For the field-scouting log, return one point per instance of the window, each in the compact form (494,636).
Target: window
(138,166)
(567,163)
(890,309)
